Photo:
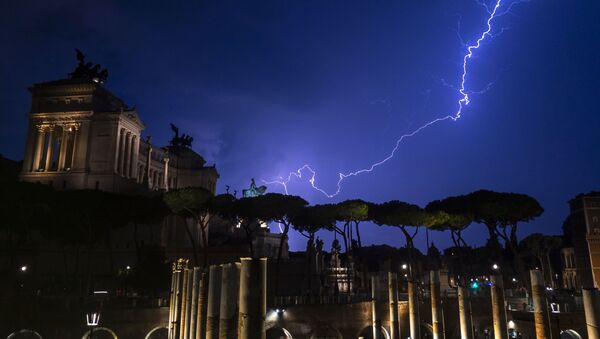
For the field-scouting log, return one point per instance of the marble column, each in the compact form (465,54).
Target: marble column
(202,306)
(49,149)
(393,302)
(194,303)
(376,320)
(464,313)
(184,302)
(413,310)
(540,305)
(127,155)
(63,148)
(175,324)
(214,301)
(229,301)
(132,157)
(253,298)
(39,149)
(188,303)
(498,308)
(118,148)
(436,304)
(166,176)
(172,294)
(591,306)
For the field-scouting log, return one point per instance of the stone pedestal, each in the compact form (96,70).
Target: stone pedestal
(229,301)
(393,300)
(591,305)
(464,313)
(413,310)
(214,302)
(498,308)
(253,298)
(436,304)
(540,305)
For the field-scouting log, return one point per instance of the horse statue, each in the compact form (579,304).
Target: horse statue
(254,191)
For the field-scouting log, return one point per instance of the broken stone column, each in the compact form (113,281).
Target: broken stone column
(253,299)
(214,302)
(184,303)
(171,301)
(540,305)
(436,304)
(413,310)
(174,302)
(188,304)
(202,306)
(464,313)
(498,309)
(393,300)
(194,303)
(374,305)
(230,288)
(591,306)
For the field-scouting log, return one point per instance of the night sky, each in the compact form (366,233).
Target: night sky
(267,86)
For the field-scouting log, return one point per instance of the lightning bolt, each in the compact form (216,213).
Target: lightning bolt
(462,103)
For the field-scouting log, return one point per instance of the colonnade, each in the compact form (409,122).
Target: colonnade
(126,155)
(227,302)
(498,311)
(54,148)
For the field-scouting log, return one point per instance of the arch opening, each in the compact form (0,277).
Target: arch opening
(24,334)
(569,334)
(277,332)
(159,332)
(367,333)
(100,333)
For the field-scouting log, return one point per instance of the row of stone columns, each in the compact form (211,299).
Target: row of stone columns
(394,321)
(126,154)
(46,139)
(227,303)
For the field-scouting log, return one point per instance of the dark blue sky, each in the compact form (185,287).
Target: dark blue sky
(265,87)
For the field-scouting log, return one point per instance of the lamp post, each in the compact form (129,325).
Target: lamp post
(92,320)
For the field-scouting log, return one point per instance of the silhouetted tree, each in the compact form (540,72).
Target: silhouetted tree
(282,209)
(404,215)
(351,213)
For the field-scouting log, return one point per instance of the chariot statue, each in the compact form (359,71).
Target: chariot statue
(254,191)
(88,70)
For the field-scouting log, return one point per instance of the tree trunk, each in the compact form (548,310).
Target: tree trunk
(192,242)
(286,229)
(205,245)
(358,235)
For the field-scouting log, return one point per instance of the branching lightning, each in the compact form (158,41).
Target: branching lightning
(463,102)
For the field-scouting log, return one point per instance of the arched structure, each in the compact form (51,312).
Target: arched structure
(426,330)
(158,332)
(24,334)
(276,332)
(367,333)
(99,330)
(326,332)
(569,334)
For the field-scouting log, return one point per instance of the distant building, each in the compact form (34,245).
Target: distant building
(582,230)
(569,269)
(81,136)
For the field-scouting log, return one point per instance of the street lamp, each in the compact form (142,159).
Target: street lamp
(495,267)
(23,268)
(404,266)
(92,320)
